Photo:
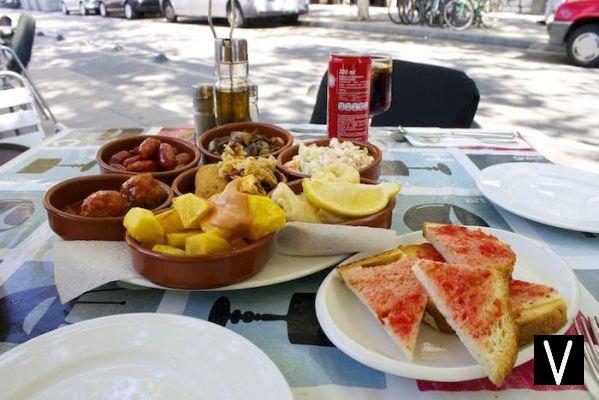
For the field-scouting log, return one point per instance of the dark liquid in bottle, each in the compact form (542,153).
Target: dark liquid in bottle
(380,88)
(232,106)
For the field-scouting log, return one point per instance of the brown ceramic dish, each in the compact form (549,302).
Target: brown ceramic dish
(201,272)
(76,227)
(371,171)
(185,183)
(115,146)
(263,128)
(381,219)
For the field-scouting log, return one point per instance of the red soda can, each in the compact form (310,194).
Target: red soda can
(349,96)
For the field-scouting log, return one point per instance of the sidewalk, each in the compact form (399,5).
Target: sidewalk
(512,29)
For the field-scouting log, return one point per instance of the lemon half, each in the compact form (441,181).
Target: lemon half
(349,199)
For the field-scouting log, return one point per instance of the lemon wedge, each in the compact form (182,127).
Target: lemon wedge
(391,188)
(348,199)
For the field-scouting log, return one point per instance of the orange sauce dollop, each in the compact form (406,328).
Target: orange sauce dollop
(231,211)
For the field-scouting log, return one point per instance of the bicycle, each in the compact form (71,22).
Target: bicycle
(460,14)
(408,11)
(434,13)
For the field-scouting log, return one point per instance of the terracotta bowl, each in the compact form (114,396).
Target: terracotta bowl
(371,171)
(201,272)
(75,227)
(263,128)
(381,219)
(103,156)
(185,182)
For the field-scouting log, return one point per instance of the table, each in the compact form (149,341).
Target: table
(437,185)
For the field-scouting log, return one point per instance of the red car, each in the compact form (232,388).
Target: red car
(576,25)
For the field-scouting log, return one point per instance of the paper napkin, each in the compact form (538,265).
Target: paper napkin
(82,265)
(306,239)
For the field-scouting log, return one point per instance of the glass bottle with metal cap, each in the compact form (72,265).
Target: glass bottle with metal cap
(232,89)
(203,109)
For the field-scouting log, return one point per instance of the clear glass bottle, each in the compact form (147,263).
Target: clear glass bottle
(254,112)
(232,89)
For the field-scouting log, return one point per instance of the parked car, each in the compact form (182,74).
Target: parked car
(83,6)
(575,24)
(246,10)
(10,3)
(130,8)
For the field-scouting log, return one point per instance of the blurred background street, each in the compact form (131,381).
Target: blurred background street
(115,72)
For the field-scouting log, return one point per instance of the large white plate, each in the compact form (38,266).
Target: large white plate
(440,357)
(280,268)
(550,194)
(140,356)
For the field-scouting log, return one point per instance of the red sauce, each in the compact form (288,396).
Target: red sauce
(406,314)
(394,293)
(74,209)
(469,294)
(473,247)
(450,230)
(522,294)
(491,248)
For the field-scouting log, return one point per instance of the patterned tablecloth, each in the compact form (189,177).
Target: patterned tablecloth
(438,184)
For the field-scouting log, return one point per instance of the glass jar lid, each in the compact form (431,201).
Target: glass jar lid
(230,50)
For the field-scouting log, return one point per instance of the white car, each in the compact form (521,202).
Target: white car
(245,9)
(83,6)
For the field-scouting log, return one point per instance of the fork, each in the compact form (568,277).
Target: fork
(489,140)
(591,354)
(400,133)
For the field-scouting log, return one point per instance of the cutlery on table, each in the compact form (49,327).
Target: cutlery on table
(591,335)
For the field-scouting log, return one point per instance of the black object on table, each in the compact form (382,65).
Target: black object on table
(8,151)
(423,95)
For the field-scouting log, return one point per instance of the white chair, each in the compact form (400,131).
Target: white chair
(20,121)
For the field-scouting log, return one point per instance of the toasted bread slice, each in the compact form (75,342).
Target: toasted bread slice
(382,259)
(537,309)
(422,250)
(460,245)
(475,303)
(393,294)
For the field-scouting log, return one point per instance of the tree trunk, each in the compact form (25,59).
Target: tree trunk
(363,10)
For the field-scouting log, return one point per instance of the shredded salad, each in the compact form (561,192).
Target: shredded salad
(312,157)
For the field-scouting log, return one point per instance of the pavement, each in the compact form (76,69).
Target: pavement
(107,72)
(511,29)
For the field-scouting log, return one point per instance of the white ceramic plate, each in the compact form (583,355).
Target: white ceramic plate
(439,357)
(140,356)
(280,268)
(550,194)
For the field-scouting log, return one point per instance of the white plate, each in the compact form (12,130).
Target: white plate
(280,268)
(550,194)
(140,356)
(439,357)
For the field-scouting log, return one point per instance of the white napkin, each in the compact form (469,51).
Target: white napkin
(306,239)
(81,265)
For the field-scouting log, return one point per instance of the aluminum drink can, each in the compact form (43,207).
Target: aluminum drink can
(348,96)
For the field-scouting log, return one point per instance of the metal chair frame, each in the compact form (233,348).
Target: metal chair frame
(8,53)
(23,116)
